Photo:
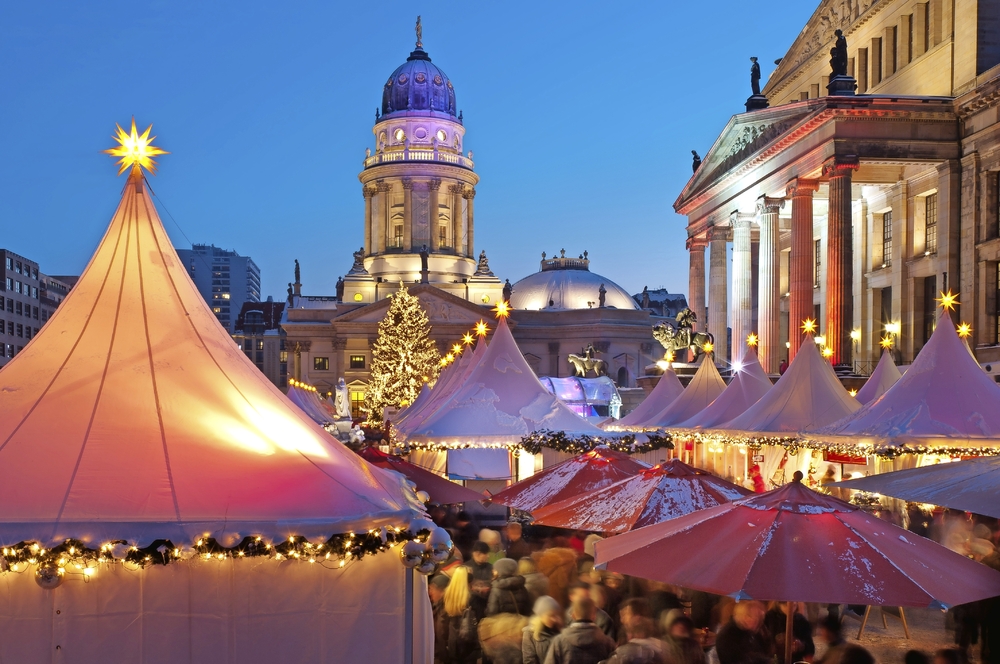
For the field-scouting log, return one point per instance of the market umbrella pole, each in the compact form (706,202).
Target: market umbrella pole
(789,620)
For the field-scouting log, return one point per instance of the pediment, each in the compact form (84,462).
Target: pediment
(442,309)
(818,35)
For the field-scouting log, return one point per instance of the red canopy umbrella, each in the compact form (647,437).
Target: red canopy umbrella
(655,494)
(583,473)
(793,544)
(438,488)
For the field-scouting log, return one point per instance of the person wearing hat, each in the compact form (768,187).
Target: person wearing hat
(545,625)
(508,594)
(480,578)
(435,590)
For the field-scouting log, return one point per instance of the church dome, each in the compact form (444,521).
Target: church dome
(567,283)
(418,86)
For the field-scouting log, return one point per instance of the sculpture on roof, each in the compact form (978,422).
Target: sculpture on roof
(359,262)
(602,295)
(754,76)
(645,297)
(420,34)
(340,289)
(483,269)
(684,338)
(695,161)
(586,362)
(838,55)
(508,290)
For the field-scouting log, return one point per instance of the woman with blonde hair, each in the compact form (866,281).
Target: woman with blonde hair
(463,638)
(545,623)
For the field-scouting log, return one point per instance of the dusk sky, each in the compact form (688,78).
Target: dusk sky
(581,116)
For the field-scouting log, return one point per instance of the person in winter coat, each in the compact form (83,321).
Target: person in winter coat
(682,646)
(435,590)
(742,639)
(579,590)
(536,583)
(463,638)
(508,594)
(582,642)
(517,548)
(641,647)
(545,624)
(774,624)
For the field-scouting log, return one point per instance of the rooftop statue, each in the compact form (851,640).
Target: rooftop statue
(755,76)
(684,338)
(483,269)
(838,55)
(695,161)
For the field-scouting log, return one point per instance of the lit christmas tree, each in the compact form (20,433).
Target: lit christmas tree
(403,357)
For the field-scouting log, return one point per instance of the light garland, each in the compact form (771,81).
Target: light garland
(555,440)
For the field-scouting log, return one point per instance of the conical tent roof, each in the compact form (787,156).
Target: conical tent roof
(455,376)
(500,402)
(748,386)
(807,396)
(944,398)
(666,391)
(133,415)
(885,376)
(704,388)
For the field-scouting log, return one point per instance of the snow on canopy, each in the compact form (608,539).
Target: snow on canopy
(500,401)
(667,389)
(450,379)
(704,388)
(885,376)
(944,398)
(133,415)
(748,386)
(311,404)
(807,396)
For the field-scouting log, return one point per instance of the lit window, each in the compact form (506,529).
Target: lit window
(358,297)
(400,135)
(887,239)
(216,310)
(260,344)
(442,136)
(321,363)
(225,296)
(930,218)
(357,361)
(357,401)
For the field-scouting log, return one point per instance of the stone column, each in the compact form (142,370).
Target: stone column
(696,280)
(839,259)
(432,221)
(718,286)
(407,214)
(470,195)
(382,223)
(457,234)
(800,263)
(368,192)
(769,288)
(742,322)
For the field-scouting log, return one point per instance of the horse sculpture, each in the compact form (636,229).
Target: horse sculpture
(684,338)
(582,364)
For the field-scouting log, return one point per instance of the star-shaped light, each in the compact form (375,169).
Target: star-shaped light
(467,339)
(457,349)
(482,328)
(449,357)
(809,326)
(752,340)
(444,361)
(853,393)
(502,310)
(827,352)
(965,330)
(669,357)
(135,149)
(708,347)
(947,301)
(886,342)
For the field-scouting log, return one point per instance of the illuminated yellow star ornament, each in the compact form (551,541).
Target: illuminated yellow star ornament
(752,340)
(809,326)
(947,301)
(708,347)
(965,330)
(502,310)
(886,342)
(467,339)
(482,328)
(457,349)
(135,149)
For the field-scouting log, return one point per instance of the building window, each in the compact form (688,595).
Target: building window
(20,330)
(357,361)
(930,217)
(34,313)
(930,306)
(443,235)
(887,239)
(17,267)
(260,344)
(321,363)
(357,401)
(817,261)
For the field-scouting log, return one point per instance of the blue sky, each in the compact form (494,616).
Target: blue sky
(581,116)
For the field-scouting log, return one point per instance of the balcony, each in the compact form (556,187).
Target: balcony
(418,155)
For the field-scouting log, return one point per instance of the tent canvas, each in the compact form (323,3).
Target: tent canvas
(885,376)
(452,378)
(666,391)
(748,386)
(703,389)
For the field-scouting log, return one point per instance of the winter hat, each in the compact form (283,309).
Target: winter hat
(545,605)
(440,581)
(588,544)
(491,537)
(505,567)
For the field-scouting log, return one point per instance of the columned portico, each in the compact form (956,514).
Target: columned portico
(742,309)
(718,286)
(840,259)
(769,280)
(800,264)
(696,280)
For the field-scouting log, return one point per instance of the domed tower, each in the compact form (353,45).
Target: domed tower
(419,190)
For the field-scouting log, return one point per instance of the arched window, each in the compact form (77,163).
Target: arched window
(622,377)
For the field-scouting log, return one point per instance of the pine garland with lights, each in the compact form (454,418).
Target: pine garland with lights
(403,356)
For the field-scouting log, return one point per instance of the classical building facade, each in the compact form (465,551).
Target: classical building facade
(857,207)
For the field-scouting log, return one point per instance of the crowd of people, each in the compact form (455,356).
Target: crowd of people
(531,595)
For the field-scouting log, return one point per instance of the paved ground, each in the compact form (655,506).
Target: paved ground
(888,644)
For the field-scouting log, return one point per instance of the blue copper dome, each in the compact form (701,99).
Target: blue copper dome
(418,86)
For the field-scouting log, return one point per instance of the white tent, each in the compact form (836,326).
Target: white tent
(704,388)
(807,396)
(309,402)
(748,386)
(666,391)
(885,376)
(944,399)
(133,417)
(499,402)
(452,378)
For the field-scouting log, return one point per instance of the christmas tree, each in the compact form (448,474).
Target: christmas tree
(403,357)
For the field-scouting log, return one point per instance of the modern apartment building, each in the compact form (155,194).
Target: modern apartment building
(27,299)
(224,278)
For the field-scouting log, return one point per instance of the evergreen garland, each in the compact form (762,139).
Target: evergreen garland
(403,357)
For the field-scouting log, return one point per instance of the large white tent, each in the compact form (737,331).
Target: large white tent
(704,388)
(748,386)
(943,400)
(132,419)
(452,378)
(664,393)
(885,376)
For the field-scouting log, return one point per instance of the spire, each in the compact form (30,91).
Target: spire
(420,34)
